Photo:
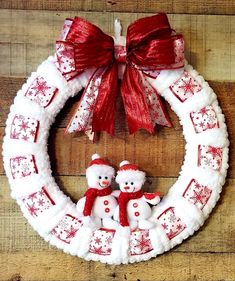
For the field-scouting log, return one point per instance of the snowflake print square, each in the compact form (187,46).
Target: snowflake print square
(101,242)
(210,157)
(185,87)
(140,242)
(172,224)
(204,119)
(40,92)
(38,202)
(67,228)
(197,194)
(24,128)
(23,166)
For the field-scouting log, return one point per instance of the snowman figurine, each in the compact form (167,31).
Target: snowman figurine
(98,204)
(133,210)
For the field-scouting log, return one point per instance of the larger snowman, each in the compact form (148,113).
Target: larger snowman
(98,204)
(133,210)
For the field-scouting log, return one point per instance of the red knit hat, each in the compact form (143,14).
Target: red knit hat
(127,171)
(97,160)
(125,165)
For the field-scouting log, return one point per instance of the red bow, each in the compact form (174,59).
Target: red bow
(151,46)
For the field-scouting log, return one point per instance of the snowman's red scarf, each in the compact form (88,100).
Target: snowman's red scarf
(91,195)
(123,200)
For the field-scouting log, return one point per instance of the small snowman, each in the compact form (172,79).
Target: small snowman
(133,210)
(98,204)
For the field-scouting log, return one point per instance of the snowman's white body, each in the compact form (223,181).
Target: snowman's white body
(137,209)
(103,207)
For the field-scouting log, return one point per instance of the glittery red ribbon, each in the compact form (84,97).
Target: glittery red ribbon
(151,46)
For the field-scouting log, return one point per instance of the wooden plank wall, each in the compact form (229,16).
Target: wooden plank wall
(27,32)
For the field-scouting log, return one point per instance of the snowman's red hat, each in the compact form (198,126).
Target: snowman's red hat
(128,171)
(98,166)
(97,160)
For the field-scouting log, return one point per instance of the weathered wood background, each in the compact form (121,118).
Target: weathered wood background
(27,32)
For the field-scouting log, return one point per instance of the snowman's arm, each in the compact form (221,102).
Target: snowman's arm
(116,214)
(80,205)
(152,198)
(115,193)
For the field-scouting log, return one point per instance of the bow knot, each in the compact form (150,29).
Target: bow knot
(151,46)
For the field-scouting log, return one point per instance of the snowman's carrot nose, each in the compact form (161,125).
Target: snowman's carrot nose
(105,182)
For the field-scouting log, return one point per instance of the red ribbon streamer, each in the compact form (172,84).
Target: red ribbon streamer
(151,46)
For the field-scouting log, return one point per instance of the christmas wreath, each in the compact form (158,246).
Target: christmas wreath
(126,225)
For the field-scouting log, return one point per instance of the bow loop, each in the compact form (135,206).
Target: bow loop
(92,47)
(151,42)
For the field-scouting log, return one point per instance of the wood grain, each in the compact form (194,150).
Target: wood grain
(27,37)
(170,266)
(225,7)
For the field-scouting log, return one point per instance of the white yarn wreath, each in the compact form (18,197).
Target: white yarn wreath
(180,213)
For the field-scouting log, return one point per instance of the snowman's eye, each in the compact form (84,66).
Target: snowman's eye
(106,178)
(126,183)
(132,183)
(100,177)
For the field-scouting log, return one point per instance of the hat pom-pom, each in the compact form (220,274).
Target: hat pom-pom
(95,156)
(125,162)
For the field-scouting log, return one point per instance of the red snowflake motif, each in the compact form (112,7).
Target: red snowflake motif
(97,241)
(90,95)
(164,225)
(41,202)
(15,134)
(109,250)
(143,243)
(97,250)
(25,138)
(179,227)
(215,151)
(109,240)
(188,86)
(41,87)
(90,106)
(59,60)
(32,132)
(32,209)
(24,126)
(171,234)
(71,232)
(203,111)
(198,196)
(33,196)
